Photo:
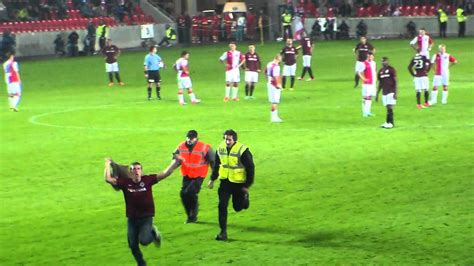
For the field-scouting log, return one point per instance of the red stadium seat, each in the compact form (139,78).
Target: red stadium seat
(423,11)
(330,13)
(142,19)
(408,11)
(432,11)
(416,11)
(361,12)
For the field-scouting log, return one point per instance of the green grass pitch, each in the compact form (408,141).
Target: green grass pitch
(331,187)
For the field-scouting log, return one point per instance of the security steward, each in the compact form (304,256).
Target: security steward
(102,33)
(235,168)
(443,22)
(170,37)
(461,18)
(286,18)
(196,158)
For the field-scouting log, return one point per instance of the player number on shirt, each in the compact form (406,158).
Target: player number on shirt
(418,64)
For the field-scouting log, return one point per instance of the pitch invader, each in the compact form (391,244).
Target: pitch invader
(252,68)
(184,80)
(289,53)
(12,79)
(367,73)
(362,49)
(387,77)
(274,87)
(443,62)
(419,67)
(233,60)
(422,43)
(307,45)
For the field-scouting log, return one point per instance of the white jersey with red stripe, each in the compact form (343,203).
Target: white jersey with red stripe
(423,43)
(11,72)
(442,61)
(181,65)
(369,69)
(233,59)
(273,73)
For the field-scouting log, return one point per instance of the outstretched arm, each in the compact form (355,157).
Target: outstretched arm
(175,163)
(108,177)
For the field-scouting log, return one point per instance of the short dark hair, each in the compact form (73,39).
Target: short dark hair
(183,53)
(192,134)
(384,59)
(231,132)
(152,47)
(132,165)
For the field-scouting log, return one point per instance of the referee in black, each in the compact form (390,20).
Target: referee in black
(235,168)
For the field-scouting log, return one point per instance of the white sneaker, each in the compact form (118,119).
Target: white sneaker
(384,125)
(196,101)
(182,103)
(388,126)
(276,120)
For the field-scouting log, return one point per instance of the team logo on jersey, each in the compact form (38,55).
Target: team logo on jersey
(142,184)
(386,71)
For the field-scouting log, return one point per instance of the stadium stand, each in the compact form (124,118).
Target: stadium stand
(48,18)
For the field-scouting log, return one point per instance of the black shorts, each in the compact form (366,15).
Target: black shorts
(153,76)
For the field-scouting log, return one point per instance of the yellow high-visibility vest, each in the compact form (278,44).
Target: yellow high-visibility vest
(170,34)
(231,167)
(286,19)
(459,15)
(102,31)
(443,17)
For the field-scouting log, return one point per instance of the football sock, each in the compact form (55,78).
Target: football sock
(10,102)
(117,76)
(304,72)
(227,91)
(16,100)
(149,92)
(426,96)
(235,90)
(292,81)
(283,82)
(252,87)
(158,88)
(418,97)
(444,98)
(356,79)
(246,89)
(192,96)
(390,116)
(111,77)
(180,97)
(367,106)
(434,96)
(310,71)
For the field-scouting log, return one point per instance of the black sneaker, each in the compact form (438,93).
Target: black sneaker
(221,237)
(246,204)
(157,234)
(191,220)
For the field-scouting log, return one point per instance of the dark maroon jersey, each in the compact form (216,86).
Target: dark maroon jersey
(111,52)
(306,45)
(421,64)
(363,51)
(252,62)
(289,55)
(138,196)
(387,77)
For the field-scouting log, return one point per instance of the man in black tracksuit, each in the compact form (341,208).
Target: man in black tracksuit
(235,168)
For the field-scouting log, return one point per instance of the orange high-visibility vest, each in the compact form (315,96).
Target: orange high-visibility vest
(195,164)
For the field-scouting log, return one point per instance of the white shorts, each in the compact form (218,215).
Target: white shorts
(232,75)
(289,70)
(14,88)
(421,83)
(388,99)
(184,83)
(368,90)
(358,65)
(439,80)
(111,67)
(306,60)
(251,76)
(273,93)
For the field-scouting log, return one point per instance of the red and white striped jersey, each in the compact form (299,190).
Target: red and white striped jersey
(273,73)
(442,61)
(423,43)
(369,68)
(11,72)
(233,59)
(182,65)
